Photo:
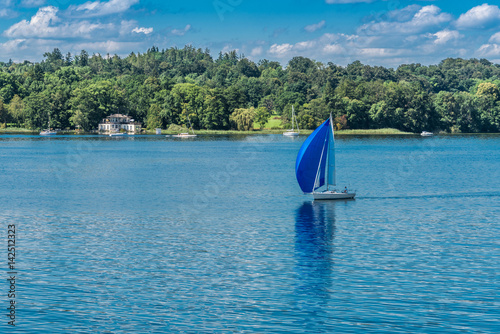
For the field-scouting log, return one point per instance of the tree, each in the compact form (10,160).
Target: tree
(247,68)
(97,100)
(186,101)
(79,120)
(3,112)
(154,118)
(268,103)
(488,89)
(356,114)
(37,108)
(16,109)
(242,119)
(311,115)
(216,111)
(262,115)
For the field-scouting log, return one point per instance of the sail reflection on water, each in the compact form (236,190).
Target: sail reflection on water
(314,235)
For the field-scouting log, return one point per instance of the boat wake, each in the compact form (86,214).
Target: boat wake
(443,195)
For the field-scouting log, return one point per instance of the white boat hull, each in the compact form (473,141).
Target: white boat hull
(48,133)
(332,195)
(183,136)
(426,134)
(117,134)
(290,133)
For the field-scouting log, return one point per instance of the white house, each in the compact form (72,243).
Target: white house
(113,123)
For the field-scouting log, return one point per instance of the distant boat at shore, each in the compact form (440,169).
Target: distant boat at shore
(426,134)
(292,131)
(118,134)
(48,131)
(185,134)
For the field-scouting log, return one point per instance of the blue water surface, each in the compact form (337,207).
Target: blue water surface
(148,234)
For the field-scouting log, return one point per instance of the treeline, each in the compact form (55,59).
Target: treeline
(161,88)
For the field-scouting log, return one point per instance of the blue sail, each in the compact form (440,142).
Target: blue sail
(314,149)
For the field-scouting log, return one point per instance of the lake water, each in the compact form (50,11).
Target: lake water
(213,235)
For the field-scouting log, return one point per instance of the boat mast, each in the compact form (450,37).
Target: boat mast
(293,116)
(191,126)
(331,150)
(316,181)
(297,122)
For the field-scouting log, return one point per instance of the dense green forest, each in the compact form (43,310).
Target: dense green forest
(161,88)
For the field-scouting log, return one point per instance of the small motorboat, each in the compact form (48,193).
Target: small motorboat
(117,134)
(426,134)
(184,135)
(48,132)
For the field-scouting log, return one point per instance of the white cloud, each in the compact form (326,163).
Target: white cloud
(39,25)
(333,49)
(256,51)
(32,3)
(444,36)
(489,50)
(27,49)
(479,17)
(426,18)
(44,24)
(312,48)
(380,52)
(304,45)
(495,38)
(314,27)
(142,30)
(181,32)
(14,44)
(280,50)
(107,46)
(403,14)
(228,48)
(98,8)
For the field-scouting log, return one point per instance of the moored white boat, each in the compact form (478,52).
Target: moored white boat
(426,134)
(292,131)
(315,165)
(48,131)
(118,134)
(185,134)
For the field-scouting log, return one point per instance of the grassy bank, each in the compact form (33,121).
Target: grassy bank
(18,130)
(387,131)
(280,131)
(220,132)
(23,131)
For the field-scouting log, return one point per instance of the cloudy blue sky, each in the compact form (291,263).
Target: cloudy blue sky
(375,32)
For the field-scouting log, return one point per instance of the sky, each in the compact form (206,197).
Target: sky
(375,32)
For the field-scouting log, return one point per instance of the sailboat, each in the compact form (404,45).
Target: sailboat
(186,134)
(292,132)
(315,165)
(48,132)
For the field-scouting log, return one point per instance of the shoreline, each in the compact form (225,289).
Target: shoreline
(348,132)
